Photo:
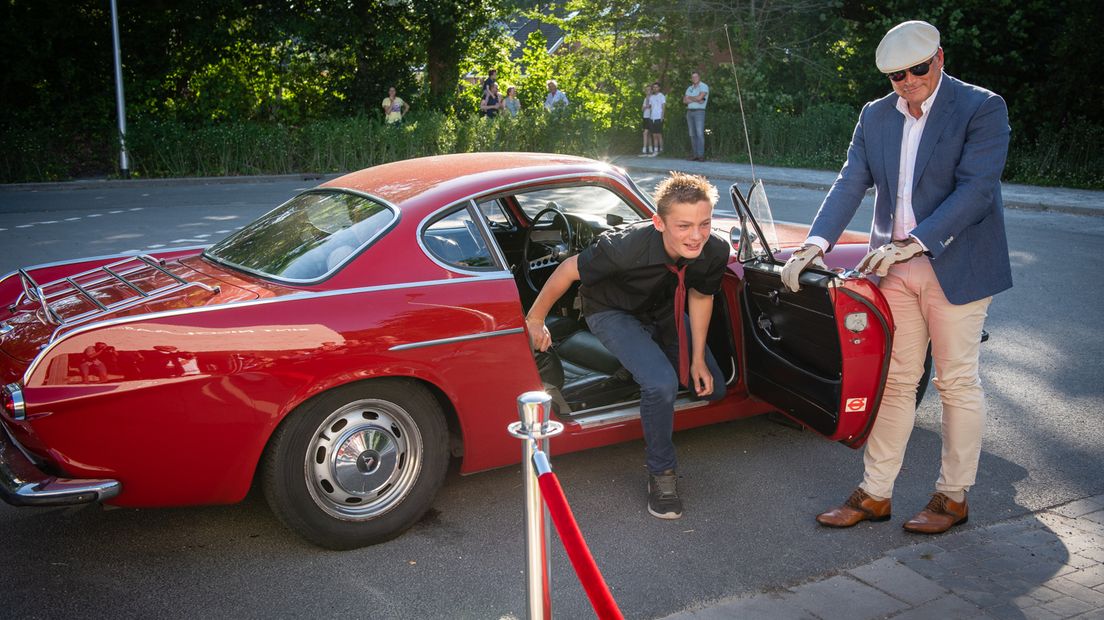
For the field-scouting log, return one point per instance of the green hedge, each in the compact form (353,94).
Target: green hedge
(816,139)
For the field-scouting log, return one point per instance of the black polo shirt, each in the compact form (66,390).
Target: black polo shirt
(627,270)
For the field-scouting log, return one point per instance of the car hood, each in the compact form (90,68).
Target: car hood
(25,329)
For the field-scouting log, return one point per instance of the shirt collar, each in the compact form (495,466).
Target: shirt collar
(657,254)
(925,107)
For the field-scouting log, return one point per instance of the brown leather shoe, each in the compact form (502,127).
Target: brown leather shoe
(859,507)
(941,514)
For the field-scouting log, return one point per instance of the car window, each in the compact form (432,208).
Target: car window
(495,214)
(455,240)
(588,202)
(306,238)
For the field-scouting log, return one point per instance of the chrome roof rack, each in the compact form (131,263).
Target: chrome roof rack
(82,284)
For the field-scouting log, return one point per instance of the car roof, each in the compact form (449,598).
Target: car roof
(431,182)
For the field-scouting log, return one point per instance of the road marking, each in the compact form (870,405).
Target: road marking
(154,246)
(24,225)
(114,212)
(49,222)
(71,219)
(95,215)
(136,209)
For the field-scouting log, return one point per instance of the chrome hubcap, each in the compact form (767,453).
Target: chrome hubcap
(364,459)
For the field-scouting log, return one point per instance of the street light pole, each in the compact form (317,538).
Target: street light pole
(120,102)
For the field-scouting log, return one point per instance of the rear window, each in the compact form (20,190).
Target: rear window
(307,238)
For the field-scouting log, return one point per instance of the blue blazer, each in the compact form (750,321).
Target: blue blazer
(956,193)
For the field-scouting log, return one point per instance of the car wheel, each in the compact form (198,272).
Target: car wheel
(357,465)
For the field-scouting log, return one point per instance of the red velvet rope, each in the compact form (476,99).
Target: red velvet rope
(577,550)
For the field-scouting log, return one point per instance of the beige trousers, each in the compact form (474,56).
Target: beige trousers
(920,312)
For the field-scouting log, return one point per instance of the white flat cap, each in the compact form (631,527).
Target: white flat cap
(906,45)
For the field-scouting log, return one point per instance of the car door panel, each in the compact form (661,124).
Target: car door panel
(820,354)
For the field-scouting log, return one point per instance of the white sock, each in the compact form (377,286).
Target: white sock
(955,496)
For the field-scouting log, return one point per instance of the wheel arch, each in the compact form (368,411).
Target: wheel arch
(452,419)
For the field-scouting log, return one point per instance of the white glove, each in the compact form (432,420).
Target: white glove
(879,260)
(802,258)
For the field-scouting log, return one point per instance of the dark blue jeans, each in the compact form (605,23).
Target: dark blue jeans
(654,367)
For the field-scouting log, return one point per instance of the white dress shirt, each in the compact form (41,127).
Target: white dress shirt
(904,219)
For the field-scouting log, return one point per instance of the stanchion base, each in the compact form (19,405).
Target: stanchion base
(551,429)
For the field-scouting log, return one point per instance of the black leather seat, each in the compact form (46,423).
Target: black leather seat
(585,373)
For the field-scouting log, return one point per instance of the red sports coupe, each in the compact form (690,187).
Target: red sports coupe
(345,346)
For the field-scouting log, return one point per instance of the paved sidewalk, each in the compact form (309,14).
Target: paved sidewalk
(1043,566)
(1060,199)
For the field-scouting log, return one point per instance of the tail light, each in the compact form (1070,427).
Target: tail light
(11,399)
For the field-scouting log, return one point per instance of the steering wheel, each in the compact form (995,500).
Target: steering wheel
(556,244)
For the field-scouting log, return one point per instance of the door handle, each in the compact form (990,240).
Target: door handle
(767,327)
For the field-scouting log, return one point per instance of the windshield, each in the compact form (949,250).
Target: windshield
(588,202)
(758,236)
(307,238)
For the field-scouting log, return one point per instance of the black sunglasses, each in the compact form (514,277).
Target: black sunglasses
(919,70)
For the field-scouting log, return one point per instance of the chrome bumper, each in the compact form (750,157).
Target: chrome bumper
(22,483)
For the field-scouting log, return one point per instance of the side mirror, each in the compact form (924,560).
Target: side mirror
(737,234)
(614,220)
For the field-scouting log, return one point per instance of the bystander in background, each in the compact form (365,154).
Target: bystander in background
(656,106)
(512,103)
(394,108)
(556,99)
(492,102)
(696,98)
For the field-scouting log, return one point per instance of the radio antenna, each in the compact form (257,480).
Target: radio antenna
(740,98)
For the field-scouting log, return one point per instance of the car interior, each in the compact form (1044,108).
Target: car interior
(535,231)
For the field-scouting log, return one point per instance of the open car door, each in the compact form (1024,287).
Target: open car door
(819,355)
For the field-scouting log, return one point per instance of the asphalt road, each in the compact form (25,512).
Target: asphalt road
(751,487)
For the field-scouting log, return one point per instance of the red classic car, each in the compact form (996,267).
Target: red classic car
(343,347)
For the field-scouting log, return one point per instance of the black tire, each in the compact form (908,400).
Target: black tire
(357,465)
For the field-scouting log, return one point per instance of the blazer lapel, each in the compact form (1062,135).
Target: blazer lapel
(933,129)
(891,149)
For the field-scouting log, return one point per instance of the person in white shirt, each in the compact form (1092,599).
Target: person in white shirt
(657,102)
(556,99)
(696,98)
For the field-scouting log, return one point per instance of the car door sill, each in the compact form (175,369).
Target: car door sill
(625,412)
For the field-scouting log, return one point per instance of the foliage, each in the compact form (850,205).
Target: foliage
(237,86)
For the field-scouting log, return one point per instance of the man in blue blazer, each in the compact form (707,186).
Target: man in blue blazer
(934,151)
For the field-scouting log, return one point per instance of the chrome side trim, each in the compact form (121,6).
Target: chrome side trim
(439,341)
(631,412)
(485,277)
(19,407)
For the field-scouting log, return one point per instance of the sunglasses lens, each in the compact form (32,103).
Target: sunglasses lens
(920,70)
(896,76)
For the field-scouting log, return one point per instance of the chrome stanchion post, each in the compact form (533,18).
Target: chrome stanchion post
(535,410)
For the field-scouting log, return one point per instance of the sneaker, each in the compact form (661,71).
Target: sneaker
(663,499)
(644,152)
